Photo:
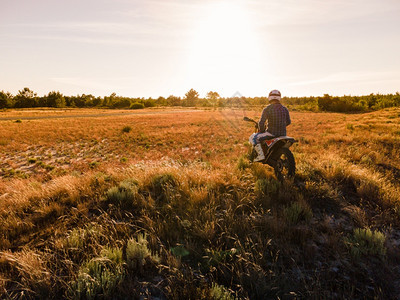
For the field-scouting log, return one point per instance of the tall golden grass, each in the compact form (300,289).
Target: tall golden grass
(185,216)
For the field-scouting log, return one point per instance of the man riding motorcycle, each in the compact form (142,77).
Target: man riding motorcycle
(278,118)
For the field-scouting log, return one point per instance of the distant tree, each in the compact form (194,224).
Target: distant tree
(121,103)
(341,104)
(108,101)
(213,98)
(5,100)
(372,100)
(88,100)
(97,101)
(161,101)
(25,98)
(396,99)
(174,101)
(69,101)
(191,97)
(260,101)
(235,101)
(149,102)
(54,99)
(83,100)
(92,101)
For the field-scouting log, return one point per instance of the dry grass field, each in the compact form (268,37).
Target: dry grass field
(165,205)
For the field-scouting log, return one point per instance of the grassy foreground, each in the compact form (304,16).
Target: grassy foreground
(168,207)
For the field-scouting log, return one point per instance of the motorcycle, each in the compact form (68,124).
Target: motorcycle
(277,153)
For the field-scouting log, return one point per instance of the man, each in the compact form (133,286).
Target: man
(278,118)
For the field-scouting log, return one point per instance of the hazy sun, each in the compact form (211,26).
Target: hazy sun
(224,53)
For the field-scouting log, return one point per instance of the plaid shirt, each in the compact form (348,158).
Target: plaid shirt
(278,118)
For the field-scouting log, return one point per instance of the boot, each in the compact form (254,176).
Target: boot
(260,153)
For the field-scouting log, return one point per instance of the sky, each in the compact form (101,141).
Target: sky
(153,48)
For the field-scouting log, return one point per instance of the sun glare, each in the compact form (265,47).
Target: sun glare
(224,53)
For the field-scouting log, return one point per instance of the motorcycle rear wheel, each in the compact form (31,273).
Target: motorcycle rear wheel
(285,165)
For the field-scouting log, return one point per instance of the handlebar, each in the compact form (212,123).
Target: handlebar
(251,120)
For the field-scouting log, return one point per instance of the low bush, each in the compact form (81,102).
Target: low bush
(243,163)
(219,292)
(137,253)
(266,186)
(127,129)
(76,239)
(179,251)
(113,254)
(366,242)
(137,105)
(32,160)
(99,276)
(162,183)
(123,195)
(81,243)
(297,212)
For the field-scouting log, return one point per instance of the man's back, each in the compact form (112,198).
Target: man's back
(278,118)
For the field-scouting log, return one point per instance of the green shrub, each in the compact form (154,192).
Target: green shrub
(243,163)
(261,187)
(216,257)
(137,252)
(94,164)
(179,251)
(162,182)
(78,238)
(219,292)
(129,184)
(31,160)
(127,129)
(113,254)
(260,171)
(137,105)
(118,196)
(75,239)
(123,195)
(99,276)
(266,186)
(366,241)
(298,211)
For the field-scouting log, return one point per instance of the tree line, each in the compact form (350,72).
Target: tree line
(26,98)
(345,103)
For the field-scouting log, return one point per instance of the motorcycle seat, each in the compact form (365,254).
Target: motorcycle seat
(267,138)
